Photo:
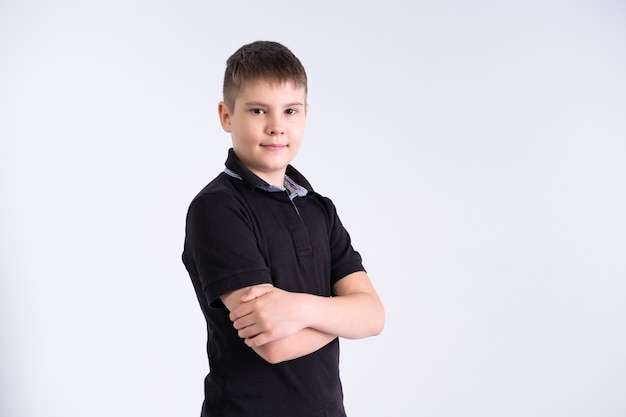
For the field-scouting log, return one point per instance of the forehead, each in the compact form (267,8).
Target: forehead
(271,91)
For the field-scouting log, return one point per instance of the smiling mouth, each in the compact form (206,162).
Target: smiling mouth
(274,147)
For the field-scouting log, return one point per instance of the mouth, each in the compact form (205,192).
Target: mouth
(274,147)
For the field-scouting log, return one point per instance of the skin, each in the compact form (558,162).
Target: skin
(267,125)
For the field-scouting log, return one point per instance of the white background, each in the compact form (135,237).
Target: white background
(476,152)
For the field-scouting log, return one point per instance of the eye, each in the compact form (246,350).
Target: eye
(291,111)
(257,111)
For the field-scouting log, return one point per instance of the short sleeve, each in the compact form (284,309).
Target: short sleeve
(221,250)
(344,259)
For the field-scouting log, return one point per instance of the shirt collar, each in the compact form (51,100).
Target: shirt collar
(295,183)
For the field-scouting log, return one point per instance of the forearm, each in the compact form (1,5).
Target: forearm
(264,315)
(302,343)
(352,316)
(273,347)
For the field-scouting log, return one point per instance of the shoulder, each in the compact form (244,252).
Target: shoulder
(218,199)
(219,191)
(219,184)
(325,203)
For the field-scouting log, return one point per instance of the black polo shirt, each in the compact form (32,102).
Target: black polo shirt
(240,234)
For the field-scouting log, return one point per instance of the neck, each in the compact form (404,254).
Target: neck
(277,179)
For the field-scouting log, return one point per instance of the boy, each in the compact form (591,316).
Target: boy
(273,268)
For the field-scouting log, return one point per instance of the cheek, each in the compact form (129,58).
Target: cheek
(297,129)
(295,144)
(243,133)
(300,134)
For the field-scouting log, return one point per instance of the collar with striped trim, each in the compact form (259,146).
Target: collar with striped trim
(234,167)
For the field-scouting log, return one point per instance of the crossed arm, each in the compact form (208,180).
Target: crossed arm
(281,325)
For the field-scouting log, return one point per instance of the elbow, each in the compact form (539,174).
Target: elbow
(370,323)
(378,322)
(379,326)
(376,316)
(378,329)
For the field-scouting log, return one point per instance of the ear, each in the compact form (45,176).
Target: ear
(306,109)
(224,113)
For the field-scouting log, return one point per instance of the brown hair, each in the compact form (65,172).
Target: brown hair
(261,60)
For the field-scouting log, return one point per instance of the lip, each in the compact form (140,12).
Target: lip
(274,147)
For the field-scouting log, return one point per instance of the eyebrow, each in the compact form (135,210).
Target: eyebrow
(261,104)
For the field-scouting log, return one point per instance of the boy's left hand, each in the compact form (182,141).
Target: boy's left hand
(267,313)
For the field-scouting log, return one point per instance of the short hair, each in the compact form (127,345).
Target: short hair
(261,60)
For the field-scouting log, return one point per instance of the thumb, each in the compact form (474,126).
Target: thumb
(256,292)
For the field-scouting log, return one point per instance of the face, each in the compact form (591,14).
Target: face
(266,125)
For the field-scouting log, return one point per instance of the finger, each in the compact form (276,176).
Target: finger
(261,337)
(249,332)
(243,322)
(255,292)
(257,340)
(239,312)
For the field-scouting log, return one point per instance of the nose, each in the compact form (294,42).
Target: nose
(275,128)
